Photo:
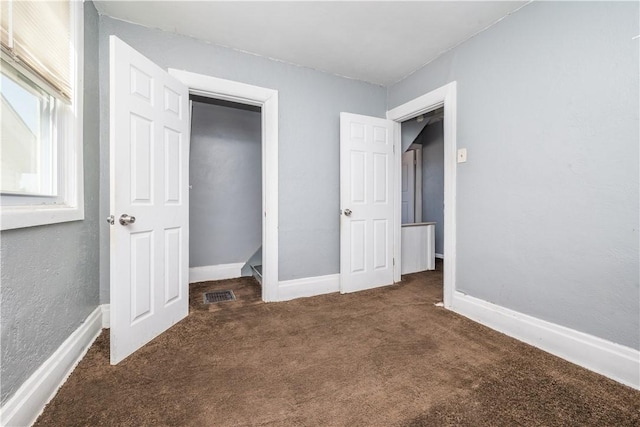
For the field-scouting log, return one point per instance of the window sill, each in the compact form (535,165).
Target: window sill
(30,216)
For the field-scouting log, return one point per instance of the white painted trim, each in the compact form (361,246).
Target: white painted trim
(444,96)
(439,256)
(267,99)
(215,272)
(106,316)
(26,405)
(418,202)
(397,200)
(409,161)
(308,287)
(612,360)
(71,148)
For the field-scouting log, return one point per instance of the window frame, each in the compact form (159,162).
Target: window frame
(69,203)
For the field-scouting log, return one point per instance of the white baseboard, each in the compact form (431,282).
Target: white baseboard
(215,272)
(106,316)
(26,405)
(439,256)
(308,287)
(612,360)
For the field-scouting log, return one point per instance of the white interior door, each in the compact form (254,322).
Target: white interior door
(367,202)
(149,179)
(408,186)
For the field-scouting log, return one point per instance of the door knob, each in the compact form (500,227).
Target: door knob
(347,212)
(127,219)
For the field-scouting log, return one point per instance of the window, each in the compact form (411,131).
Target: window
(41,112)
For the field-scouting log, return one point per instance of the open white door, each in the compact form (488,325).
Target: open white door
(366,202)
(149,182)
(418,187)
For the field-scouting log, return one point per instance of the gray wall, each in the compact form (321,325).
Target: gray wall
(409,131)
(309,102)
(225,201)
(432,141)
(50,273)
(548,209)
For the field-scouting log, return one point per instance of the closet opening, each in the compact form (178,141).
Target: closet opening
(225,190)
(422,192)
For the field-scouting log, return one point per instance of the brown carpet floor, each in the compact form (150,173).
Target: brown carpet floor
(386,357)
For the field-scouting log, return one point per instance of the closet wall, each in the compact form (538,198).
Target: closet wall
(226,185)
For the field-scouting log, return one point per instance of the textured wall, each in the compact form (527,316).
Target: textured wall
(548,202)
(432,141)
(50,273)
(225,174)
(310,103)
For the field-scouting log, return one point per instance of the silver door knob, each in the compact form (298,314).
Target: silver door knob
(347,212)
(127,219)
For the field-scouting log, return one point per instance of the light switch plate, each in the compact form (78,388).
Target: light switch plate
(462,155)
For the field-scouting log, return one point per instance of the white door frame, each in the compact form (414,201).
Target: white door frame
(443,96)
(267,99)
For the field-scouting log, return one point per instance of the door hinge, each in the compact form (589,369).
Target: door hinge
(394,261)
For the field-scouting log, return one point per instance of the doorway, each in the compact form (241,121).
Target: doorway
(445,98)
(149,176)
(267,101)
(422,176)
(366,259)
(225,190)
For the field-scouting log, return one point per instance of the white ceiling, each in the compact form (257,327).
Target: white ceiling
(378,42)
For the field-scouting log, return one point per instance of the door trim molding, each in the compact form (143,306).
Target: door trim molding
(443,96)
(267,99)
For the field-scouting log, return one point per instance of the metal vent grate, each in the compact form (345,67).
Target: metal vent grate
(218,296)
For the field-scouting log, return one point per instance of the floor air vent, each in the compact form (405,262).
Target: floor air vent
(218,296)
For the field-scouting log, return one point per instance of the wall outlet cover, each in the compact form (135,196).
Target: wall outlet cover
(462,155)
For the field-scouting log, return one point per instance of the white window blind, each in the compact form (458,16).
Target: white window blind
(36,34)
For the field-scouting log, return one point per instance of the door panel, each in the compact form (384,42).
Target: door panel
(358,175)
(358,246)
(172,261)
(366,182)
(380,243)
(149,175)
(172,166)
(380,178)
(141,274)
